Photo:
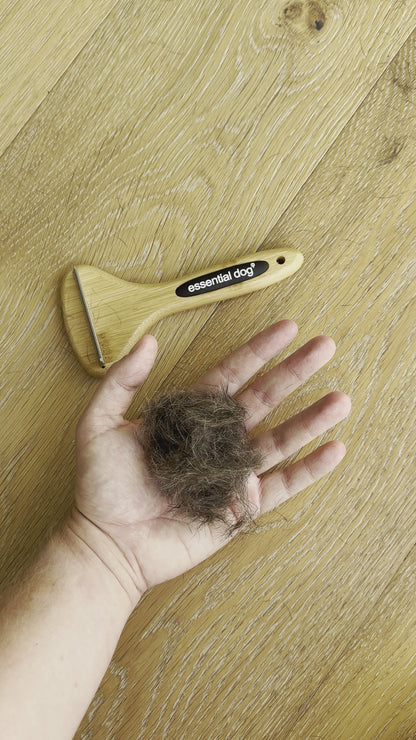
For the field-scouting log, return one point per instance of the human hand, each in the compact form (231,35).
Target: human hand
(115,494)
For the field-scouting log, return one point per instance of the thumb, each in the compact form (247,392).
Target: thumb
(115,392)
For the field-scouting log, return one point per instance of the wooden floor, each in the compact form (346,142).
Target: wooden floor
(152,139)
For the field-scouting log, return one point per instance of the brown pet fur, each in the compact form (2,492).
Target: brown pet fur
(199,453)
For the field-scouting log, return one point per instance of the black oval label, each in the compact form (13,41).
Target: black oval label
(222,278)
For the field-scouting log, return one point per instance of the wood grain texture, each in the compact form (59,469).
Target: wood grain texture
(374,682)
(38,41)
(178,137)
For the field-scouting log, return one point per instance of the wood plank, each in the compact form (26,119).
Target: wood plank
(371,692)
(179,136)
(37,44)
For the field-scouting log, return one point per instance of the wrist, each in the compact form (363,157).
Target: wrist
(97,548)
(58,631)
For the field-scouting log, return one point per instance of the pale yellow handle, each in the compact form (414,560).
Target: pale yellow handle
(253,272)
(105,315)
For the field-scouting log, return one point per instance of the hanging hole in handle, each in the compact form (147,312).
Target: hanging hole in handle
(281,260)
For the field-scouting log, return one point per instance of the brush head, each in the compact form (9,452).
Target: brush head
(199,454)
(117,312)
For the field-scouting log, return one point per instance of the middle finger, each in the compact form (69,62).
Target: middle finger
(267,391)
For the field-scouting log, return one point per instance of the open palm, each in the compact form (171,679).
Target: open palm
(115,492)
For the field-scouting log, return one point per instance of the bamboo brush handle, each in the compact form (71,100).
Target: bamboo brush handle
(253,272)
(120,312)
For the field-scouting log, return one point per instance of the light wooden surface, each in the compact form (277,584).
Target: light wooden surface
(172,137)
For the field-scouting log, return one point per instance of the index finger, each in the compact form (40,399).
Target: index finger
(236,369)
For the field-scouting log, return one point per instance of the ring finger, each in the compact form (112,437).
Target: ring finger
(289,437)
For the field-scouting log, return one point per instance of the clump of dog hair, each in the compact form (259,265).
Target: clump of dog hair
(200,455)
